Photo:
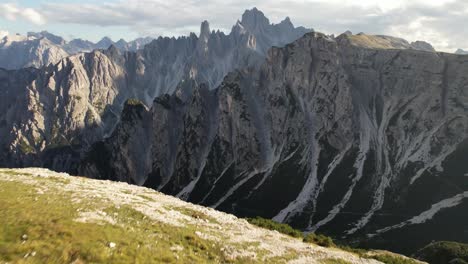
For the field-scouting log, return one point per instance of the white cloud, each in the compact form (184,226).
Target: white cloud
(13,12)
(387,5)
(33,16)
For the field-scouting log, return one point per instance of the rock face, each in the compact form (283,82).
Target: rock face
(49,113)
(326,135)
(39,49)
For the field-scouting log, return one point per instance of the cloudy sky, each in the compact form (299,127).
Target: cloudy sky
(444,23)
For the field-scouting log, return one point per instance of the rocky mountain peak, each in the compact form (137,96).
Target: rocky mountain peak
(238,28)
(121,42)
(422,45)
(202,46)
(51,37)
(133,109)
(287,22)
(205,30)
(104,43)
(113,51)
(254,20)
(79,41)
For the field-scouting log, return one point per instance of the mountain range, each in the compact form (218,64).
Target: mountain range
(361,137)
(78,100)
(43,48)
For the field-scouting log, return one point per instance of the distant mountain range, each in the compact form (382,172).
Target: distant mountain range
(43,48)
(38,49)
(462,52)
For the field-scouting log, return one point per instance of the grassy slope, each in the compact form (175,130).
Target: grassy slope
(59,219)
(55,237)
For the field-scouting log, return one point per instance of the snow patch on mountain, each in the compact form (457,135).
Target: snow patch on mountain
(3,33)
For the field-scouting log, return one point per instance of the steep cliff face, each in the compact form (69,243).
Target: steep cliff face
(65,107)
(327,135)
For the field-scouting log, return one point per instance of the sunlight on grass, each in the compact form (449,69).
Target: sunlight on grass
(42,229)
